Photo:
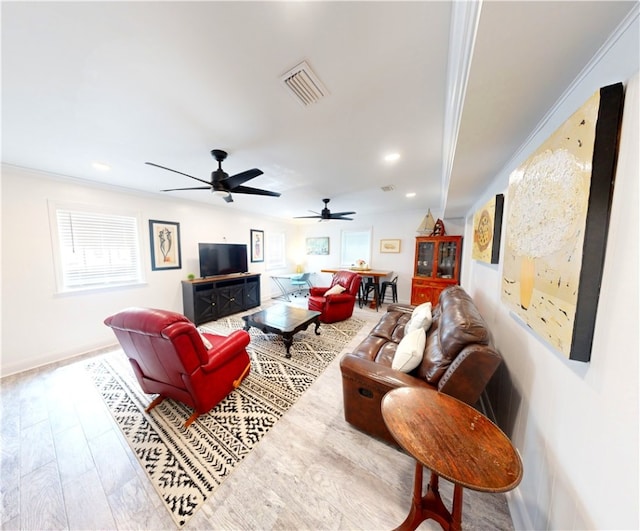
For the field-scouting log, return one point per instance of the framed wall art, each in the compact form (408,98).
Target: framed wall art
(559,201)
(164,239)
(257,245)
(487,226)
(390,246)
(318,246)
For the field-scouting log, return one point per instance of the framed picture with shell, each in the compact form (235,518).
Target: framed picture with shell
(487,227)
(558,202)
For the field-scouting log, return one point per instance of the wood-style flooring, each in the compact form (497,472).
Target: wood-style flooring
(65,465)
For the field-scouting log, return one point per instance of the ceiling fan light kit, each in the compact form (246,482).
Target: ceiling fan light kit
(221,183)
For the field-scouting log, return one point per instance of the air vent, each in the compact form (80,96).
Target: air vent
(387,188)
(304,84)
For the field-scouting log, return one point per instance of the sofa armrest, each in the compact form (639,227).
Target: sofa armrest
(318,291)
(469,373)
(364,384)
(340,298)
(222,352)
(381,377)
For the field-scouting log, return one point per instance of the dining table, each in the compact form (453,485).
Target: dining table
(374,274)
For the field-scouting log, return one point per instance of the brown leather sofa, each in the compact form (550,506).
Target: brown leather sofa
(459,359)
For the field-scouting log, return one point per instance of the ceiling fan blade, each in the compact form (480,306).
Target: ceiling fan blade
(242,177)
(253,191)
(195,188)
(340,218)
(176,171)
(338,214)
(307,217)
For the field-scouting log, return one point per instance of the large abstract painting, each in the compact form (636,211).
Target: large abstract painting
(559,202)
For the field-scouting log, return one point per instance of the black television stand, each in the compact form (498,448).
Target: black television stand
(210,298)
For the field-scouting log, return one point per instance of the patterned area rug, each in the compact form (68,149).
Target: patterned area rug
(186,465)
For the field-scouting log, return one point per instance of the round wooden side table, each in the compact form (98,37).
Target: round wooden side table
(455,442)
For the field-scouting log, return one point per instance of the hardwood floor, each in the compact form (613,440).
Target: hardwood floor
(65,465)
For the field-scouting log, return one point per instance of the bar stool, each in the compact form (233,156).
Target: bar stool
(371,286)
(393,284)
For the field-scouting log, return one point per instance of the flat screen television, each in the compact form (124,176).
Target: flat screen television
(222,258)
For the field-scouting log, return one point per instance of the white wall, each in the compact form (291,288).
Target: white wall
(398,225)
(576,425)
(40,326)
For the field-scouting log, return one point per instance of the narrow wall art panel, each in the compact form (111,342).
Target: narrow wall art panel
(559,202)
(487,226)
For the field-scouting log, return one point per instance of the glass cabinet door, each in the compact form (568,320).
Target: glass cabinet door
(447,259)
(424,259)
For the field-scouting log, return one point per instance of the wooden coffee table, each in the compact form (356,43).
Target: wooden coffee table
(455,442)
(286,321)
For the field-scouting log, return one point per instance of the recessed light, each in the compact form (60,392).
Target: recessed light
(410,194)
(392,157)
(101,166)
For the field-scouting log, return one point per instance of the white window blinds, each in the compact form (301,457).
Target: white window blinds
(274,250)
(356,245)
(97,249)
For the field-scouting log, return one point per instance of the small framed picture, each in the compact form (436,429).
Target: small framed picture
(318,245)
(164,239)
(257,245)
(390,246)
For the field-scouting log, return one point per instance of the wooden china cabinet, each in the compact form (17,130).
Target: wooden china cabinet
(436,265)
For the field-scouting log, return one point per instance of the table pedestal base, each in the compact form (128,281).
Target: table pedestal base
(431,506)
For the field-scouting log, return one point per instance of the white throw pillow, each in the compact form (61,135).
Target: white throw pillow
(410,351)
(420,318)
(335,290)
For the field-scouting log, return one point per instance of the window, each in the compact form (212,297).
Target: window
(356,245)
(93,249)
(274,251)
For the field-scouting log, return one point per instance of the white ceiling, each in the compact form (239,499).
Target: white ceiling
(123,83)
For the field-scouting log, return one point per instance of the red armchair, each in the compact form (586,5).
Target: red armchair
(169,357)
(338,306)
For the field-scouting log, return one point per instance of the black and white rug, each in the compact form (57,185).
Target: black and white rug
(186,465)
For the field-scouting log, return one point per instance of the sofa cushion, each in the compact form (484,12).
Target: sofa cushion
(456,324)
(420,318)
(410,350)
(434,362)
(391,326)
(460,323)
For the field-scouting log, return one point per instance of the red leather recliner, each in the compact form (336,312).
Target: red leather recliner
(338,306)
(169,357)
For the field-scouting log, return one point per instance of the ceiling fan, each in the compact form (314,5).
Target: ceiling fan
(326,214)
(221,183)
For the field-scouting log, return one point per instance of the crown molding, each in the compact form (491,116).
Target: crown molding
(465,17)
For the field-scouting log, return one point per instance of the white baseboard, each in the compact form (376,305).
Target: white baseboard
(518,511)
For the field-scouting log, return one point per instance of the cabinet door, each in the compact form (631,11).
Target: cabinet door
(252,294)
(447,256)
(425,252)
(424,291)
(206,306)
(230,300)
